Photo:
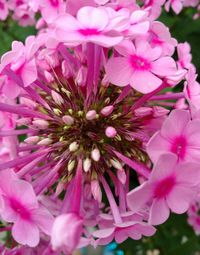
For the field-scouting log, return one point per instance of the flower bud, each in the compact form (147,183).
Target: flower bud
(106,111)
(91,115)
(116,164)
(96,190)
(68,120)
(110,132)
(32,140)
(57,98)
(45,141)
(39,123)
(61,238)
(86,164)
(73,146)
(95,155)
(71,165)
(121,175)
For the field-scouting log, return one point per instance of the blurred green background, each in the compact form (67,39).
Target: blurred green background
(175,237)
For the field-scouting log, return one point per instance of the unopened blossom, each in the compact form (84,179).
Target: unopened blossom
(66,240)
(171,186)
(181,140)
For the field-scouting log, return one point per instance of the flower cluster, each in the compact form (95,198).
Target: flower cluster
(26,11)
(95,145)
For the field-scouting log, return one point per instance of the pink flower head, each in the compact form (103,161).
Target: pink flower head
(170,187)
(89,26)
(177,135)
(21,61)
(19,205)
(66,240)
(140,66)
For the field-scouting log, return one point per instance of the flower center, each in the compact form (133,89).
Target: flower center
(20,209)
(89,31)
(2,6)
(179,147)
(92,131)
(164,187)
(54,3)
(139,63)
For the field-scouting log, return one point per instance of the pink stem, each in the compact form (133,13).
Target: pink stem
(113,206)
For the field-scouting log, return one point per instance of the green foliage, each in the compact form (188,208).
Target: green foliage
(175,237)
(10,31)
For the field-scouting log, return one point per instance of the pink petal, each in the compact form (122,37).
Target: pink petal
(118,71)
(157,146)
(159,212)
(180,118)
(43,219)
(91,17)
(144,81)
(11,89)
(29,73)
(103,233)
(164,66)
(9,176)
(164,167)
(26,233)
(192,133)
(188,174)
(105,40)
(23,192)
(138,197)
(121,235)
(180,198)
(67,23)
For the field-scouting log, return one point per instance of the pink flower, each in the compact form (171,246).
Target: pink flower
(21,60)
(170,187)
(178,135)
(50,9)
(89,26)
(161,37)
(176,5)
(140,66)
(122,231)
(19,205)
(184,56)
(61,239)
(192,90)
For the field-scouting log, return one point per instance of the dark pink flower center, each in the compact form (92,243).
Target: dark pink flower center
(139,63)
(89,31)
(54,3)
(20,209)
(179,147)
(2,6)
(164,187)
(19,2)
